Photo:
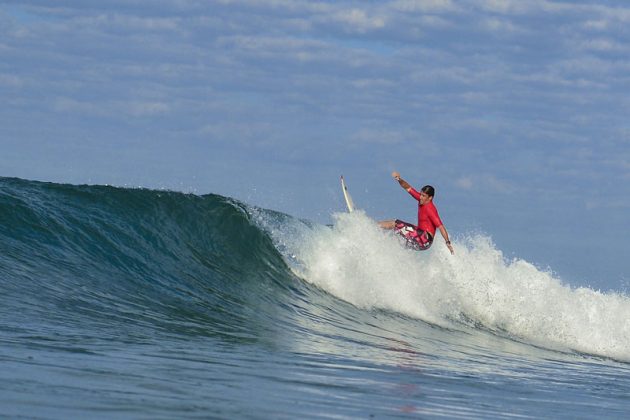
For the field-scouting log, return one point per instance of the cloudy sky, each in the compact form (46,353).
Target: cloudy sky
(516,111)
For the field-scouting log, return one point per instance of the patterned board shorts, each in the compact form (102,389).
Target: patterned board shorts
(415,238)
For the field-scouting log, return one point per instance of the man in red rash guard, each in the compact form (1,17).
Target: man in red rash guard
(419,237)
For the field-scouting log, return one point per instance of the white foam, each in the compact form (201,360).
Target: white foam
(366,266)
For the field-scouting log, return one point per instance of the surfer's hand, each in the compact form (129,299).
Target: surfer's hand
(396,176)
(450,248)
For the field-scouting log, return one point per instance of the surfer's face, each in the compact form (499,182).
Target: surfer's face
(425,198)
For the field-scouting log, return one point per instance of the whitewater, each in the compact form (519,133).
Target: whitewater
(477,287)
(133,303)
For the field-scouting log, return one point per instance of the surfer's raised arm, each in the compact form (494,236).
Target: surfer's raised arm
(401,181)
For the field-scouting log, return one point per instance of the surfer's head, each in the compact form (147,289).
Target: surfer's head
(426,194)
(428,190)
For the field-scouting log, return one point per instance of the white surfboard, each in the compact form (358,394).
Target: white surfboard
(346,196)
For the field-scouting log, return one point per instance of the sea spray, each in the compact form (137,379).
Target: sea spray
(370,268)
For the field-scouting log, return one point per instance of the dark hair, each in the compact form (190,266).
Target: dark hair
(428,190)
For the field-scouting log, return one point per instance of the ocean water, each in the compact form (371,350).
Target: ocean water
(132,303)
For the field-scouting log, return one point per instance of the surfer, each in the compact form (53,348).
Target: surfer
(420,236)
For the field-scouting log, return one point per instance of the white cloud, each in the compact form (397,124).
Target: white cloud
(519,7)
(436,22)
(378,136)
(598,25)
(486,183)
(619,14)
(147,109)
(357,20)
(378,83)
(501,26)
(11,80)
(118,108)
(508,6)
(604,45)
(425,6)
(268,43)
(465,183)
(73,106)
(128,22)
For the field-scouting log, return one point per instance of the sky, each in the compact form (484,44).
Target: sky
(515,111)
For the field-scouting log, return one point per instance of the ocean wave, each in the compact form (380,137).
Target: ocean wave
(101,261)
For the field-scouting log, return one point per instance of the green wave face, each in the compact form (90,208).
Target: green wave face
(116,258)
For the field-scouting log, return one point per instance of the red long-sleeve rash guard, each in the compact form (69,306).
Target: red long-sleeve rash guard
(428,217)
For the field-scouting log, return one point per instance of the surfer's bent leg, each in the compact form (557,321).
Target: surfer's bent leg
(387,224)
